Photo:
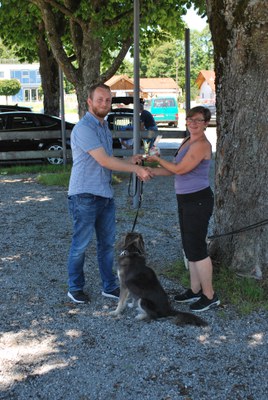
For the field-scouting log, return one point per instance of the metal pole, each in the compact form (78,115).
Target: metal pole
(62,113)
(136,121)
(187,71)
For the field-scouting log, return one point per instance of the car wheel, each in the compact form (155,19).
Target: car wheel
(55,160)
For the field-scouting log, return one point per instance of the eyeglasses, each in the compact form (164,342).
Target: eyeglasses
(194,121)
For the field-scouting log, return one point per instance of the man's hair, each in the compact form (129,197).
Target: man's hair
(96,86)
(199,110)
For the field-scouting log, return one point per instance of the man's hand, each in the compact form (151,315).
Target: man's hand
(144,174)
(136,159)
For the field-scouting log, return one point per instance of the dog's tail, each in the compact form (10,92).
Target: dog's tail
(184,318)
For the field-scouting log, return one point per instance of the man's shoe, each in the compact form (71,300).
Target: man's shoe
(188,296)
(79,296)
(205,304)
(113,295)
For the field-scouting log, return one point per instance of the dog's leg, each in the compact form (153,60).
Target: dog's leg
(124,293)
(142,313)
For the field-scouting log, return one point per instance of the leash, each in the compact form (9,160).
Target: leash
(139,206)
(134,194)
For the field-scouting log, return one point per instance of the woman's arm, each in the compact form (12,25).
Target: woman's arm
(159,171)
(197,152)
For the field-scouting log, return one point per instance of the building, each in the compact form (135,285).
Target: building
(30,80)
(206,85)
(122,85)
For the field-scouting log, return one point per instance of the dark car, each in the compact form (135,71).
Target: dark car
(22,122)
(16,107)
(120,118)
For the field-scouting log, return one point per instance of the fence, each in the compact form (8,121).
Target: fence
(40,154)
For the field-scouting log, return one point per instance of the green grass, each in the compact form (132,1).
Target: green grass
(245,294)
(33,169)
(51,175)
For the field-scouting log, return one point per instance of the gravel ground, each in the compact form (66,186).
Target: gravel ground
(52,349)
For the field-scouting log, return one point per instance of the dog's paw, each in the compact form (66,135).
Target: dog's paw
(141,317)
(114,313)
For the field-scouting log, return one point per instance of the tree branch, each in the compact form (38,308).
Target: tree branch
(117,61)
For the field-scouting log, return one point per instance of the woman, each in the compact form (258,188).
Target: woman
(195,205)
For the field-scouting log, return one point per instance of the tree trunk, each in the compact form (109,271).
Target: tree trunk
(239,33)
(49,72)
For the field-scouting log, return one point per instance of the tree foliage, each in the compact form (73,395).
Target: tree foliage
(167,59)
(22,32)
(101,33)
(9,87)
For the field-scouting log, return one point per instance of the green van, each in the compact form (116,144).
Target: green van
(165,110)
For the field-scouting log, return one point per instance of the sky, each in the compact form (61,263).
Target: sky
(194,21)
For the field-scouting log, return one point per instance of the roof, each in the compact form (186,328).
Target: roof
(145,83)
(206,76)
(116,78)
(158,83)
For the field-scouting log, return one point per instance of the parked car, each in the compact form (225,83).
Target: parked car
(164,109)
(120,118)
(16,107)
(212,108)
(29,121)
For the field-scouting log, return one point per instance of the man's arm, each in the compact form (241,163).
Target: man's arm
(116,164)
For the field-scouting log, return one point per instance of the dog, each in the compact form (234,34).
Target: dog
(141,282)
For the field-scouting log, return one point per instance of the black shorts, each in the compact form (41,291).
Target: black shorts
(195,210)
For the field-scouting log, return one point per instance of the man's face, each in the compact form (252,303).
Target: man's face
(100,104)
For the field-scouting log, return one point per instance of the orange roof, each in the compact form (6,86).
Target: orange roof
(208,76)
(146,83)
(116,78)
(158,83)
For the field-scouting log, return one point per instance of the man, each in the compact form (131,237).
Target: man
(90,194)
(147,120)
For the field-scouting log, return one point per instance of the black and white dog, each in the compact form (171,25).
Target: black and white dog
(142,284)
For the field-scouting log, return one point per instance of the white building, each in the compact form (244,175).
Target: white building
(30,80)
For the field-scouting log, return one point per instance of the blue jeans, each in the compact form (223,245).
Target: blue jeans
(92,213)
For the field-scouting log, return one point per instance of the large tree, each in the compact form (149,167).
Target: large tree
(239,32)
(101,34)
(22,30)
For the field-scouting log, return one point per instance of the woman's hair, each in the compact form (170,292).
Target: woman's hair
(94,87)
(199,110)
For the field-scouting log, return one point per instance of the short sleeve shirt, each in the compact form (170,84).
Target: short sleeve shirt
(87,175)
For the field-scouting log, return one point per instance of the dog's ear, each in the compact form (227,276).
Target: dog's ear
(140,243)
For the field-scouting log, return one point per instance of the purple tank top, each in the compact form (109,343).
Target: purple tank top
(192,181)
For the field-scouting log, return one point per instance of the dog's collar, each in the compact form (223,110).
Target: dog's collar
(127,253)
(124,253)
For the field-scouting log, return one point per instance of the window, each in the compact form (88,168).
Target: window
(20,122)
(25,76)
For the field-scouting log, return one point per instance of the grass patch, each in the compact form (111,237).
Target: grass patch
(245,294)
(52,175)
(33,169)
(54,179)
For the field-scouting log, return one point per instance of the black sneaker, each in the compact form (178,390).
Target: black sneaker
(113,295)
(79,296)
(188,296)
(205,304)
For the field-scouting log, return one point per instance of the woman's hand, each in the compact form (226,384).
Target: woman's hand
(152,158)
